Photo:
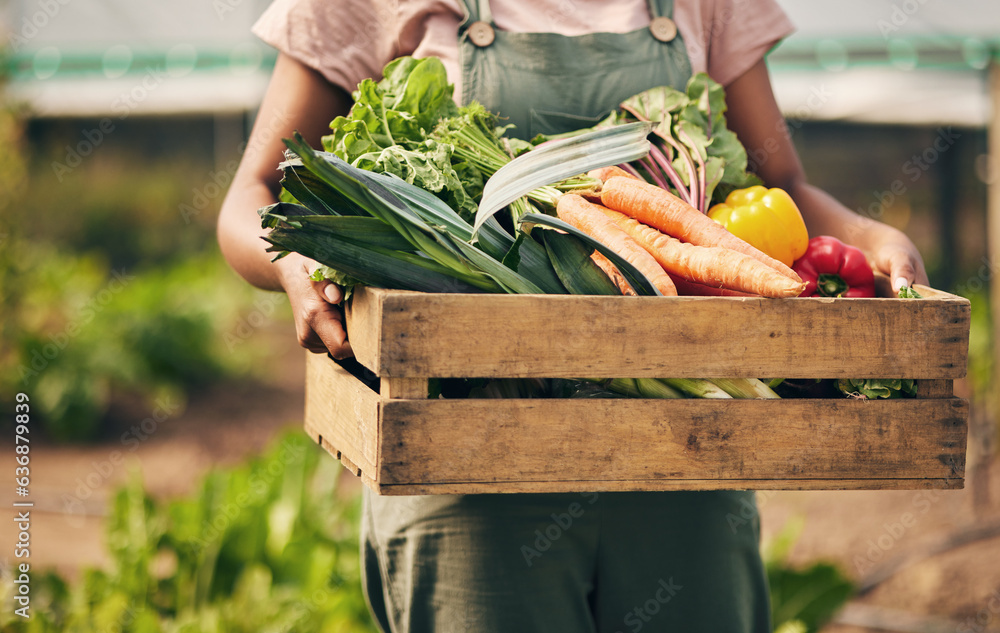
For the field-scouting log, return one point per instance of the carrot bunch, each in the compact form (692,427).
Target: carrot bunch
(678,248)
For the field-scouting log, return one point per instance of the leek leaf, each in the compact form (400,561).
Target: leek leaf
(571,260)
(560,160)
(636,279)
(376,266)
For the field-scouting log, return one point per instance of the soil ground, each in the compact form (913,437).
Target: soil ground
(866,532)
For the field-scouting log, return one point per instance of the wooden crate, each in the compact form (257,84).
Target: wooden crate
(400,442)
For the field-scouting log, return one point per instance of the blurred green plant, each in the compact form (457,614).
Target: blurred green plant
(267,546)
(803,598)
(981,348)
(77,334)
(109,293)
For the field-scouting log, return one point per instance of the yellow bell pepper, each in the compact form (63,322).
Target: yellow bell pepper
(766,218)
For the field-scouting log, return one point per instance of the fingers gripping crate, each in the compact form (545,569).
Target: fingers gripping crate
(401,442)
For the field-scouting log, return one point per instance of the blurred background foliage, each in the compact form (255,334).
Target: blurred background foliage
(267,546)
(110,290)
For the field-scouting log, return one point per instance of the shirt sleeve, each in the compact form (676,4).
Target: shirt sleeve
(741,33)
(345,40)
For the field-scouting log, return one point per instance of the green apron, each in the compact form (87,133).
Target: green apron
(576,562)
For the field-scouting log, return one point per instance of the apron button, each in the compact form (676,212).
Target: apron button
(481,34)
(663,28)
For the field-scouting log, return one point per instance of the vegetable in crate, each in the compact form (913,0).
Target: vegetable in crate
(877,387)
(831,268)
(765,218)
(694,154)
(662,210)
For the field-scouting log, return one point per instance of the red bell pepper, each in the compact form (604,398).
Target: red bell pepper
(831,268)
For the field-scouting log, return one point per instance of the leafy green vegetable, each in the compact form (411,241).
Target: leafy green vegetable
(698,157)
(907,292)
(878,388)
(428,166)
(388,131)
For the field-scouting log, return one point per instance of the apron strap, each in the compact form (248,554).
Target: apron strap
(658,8)
(475,11)
(485,14)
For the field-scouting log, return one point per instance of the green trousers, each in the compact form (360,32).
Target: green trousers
(565,563)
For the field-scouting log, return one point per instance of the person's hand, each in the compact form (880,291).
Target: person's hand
(893,253)
(319,318)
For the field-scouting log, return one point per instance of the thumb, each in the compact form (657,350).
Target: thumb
(902,271)
(330,291)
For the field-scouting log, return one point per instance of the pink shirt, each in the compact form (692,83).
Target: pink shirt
(350,40)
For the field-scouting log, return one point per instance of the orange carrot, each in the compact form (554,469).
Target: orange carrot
(604,173)
(615,275)
(663,210)
(691,289)
(589,218)
(709,265)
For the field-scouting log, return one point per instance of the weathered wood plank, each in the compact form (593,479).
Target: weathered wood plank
(452,335)
(506,487)
(345,412)
(935,388)
(442,441)
(363,314)
(398,388)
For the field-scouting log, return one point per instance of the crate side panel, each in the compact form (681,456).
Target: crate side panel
(364,326)
(571,336)
(619,440)
(342,410)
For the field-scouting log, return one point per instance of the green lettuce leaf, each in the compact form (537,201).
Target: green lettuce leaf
(878,388)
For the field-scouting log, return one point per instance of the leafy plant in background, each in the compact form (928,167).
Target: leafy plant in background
(981,348)
(78,334)
(803,598)
(267,546)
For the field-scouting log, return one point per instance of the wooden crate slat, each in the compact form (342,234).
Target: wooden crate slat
(344,412)
(608,440)
(453,335)
(647,485)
